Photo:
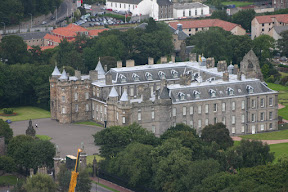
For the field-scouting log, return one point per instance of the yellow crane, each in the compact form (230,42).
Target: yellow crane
(74,174)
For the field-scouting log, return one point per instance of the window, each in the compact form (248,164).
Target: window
(191,123)
(262,102)
(233,119)
(242,129)
(201,11)
(215,107)
(196,29)
(86,95)
(196,94)
(250,89)
(262,116)
(174,73)
(87,107)
(253,117)
(184,13)
(63,110)
(195,11)
(233,130)
(270,125)
(93,106)
(223,106)
(253,103)
(135,77)
(139,115)
(212,93)
(233,105)
(270,101)
(63,98)
(199,123)
(224,120)
(161,75)
(153,114)
(206,122)
(76,96)
(262,127)
(270,115)
(181,96)
(76,108)
(230,91)
(206,108)
(184,110)
(191,110)
(96,107)
(131,91)
(122,78)
(153,129)
(215,120)
(189,15)
(243,105)
(262,24)
(148,76)
(199,109)
(243,118)
(117,116)
(263,29)
(174,112)
(123,119)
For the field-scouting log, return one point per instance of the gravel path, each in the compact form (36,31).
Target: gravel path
(269,142)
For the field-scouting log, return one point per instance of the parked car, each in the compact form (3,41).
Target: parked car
(44,22)
(8,121)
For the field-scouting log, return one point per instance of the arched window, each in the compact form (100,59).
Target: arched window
(174,73)
(250,89)
(196,94)
(212,93)
(148,76)
(181,96)
(161,75)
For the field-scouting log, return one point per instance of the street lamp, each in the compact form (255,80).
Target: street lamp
(56,14)
(4,27)
(31,18)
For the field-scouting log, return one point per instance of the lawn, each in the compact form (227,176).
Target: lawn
(276,135)
(90,159)
(89,123)
(280,150)
(44,137)
(26,113)
(277,87)
(8,180)
(237,3)
(106,187)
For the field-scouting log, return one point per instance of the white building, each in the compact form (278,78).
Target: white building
(136,7)
(186,10)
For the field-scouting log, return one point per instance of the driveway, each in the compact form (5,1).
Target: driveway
(68,137)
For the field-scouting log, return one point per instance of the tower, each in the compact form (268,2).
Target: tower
(53,92)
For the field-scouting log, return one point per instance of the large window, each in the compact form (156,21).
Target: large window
(271,115)
(174,112)
(139,115)
(76,96)
(253,117)
(233,105)
(86,95)
(233,120)
(215,107)
(63,98)
(243,118)
(76,108)
(262,102)
(191,110)
(206,122)
(206,108)
(262,116)
(199,123)
(270,101)
(243,105)
(223,106)
(253,103)
(184,110)
(199,109)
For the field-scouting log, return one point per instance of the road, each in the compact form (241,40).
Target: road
(98,188)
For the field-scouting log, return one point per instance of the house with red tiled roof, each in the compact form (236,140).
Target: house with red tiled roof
(264,24)
(190,27)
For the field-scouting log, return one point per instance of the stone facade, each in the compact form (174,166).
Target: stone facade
(158,96)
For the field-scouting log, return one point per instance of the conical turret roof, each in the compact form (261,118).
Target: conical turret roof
(113,93)
(99,68)
(56,71)
(124,96)
(63,75)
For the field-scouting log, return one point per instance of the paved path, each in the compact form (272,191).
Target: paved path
(269,142)
(111,185)
(68,137)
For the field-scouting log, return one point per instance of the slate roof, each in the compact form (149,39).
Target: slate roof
(34,35)
(56,71)
(100,69)
(124,96)
(136,2)
(181,34)
(240,89)
(188,5)
(113,93)
(280,29)
(164,2)
(63,75)
(268,18)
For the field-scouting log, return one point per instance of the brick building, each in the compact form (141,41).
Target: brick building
(158,96)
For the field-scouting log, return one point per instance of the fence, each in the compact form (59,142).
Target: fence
(25,30)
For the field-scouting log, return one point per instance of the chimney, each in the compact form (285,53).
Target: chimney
(78,74)
(221,66)
(93,75)
(179,27)
(130,63)
(236,69)
(239,76)
(173,58)
(108,79)
(105,68)
(192,57)
(119,64)
(163,59)
(226,76)
(210,62)
(150,61)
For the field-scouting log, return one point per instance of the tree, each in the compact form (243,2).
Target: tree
(16,142)
(6,131)
(40,182)
(7,164)
(244,18)
(220,14)
(240,44)
(262,46)
(282,43)
(218,133)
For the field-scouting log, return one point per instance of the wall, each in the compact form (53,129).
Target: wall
(178,13)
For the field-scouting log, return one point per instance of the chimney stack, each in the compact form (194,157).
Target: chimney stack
(105,68)
(163,59)
(226,76)
(93,75)
(239,76)
(119,64)
(130,63)
(192,57)
(173,58)
(78,74)
(236,69)
(108,79)
(179,27)
(150,61)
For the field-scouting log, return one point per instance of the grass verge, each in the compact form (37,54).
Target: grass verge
(237,3)
(106,187)
(277,87)
(280,150)
(26,113)
(90,159)
(277,135)
(89,123)
(44,137)
(8,180)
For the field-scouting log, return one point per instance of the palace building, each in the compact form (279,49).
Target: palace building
(158,96)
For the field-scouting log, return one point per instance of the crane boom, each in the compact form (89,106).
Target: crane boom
(74,174)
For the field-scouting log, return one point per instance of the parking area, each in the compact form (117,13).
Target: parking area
(68,137)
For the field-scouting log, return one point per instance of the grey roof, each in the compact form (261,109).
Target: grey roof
(113,93)
(240,89)
(100,69)
(280,29)
(164,2)
(34,35)
(165,93)
(188,5)
(56,71)
(181,34)
(124,96)
(63,75)
(128,1)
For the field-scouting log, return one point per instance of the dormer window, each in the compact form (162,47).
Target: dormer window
(135,77)
(181,96)
(230,91)
(161,75)
(196,94)
(174,73)
(250,89)
(212,93)
(148,76)
(122,78)
(196,75)
(210,79)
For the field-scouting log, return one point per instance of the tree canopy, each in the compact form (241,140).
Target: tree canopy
(5,131)
(40,182)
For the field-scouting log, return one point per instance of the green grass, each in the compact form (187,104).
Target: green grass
(109,188)
(90,159)
(89,123)
(26,113)
(280,150)
(237,3)
(8,180)
(283,74)
(236,143)
(276,135)
(277,87)
(44,137)
(283,112)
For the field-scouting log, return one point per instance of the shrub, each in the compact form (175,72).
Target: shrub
(8,110)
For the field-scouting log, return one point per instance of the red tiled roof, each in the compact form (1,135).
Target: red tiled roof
(69,31)
(29,47)
(53,38)
(47,47)
(205,23)
(95,32)
(268,18)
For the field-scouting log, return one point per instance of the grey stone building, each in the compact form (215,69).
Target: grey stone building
(158,96)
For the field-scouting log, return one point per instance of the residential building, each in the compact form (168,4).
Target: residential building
(263,24)
(276,31)
(191,27)
(190,10)
(280,4)
(33,38)
(158,96)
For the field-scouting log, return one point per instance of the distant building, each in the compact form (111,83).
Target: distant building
(276,31)
(33,38)
(158,96)
(189,10)
(263,24)
(191,27)
(280,4)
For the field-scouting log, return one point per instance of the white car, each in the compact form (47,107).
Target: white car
(44,22)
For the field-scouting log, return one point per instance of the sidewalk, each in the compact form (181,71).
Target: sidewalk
(110,184)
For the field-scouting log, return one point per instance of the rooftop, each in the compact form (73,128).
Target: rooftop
(188,5)
(69,31)
(268,18)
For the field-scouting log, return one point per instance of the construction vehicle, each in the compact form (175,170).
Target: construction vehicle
(74,174)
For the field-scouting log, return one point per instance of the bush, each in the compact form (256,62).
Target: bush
(8,110)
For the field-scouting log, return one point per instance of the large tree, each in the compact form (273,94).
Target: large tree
(244,18)
(40,182)
(262,47)
(282,43)
(6,131)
